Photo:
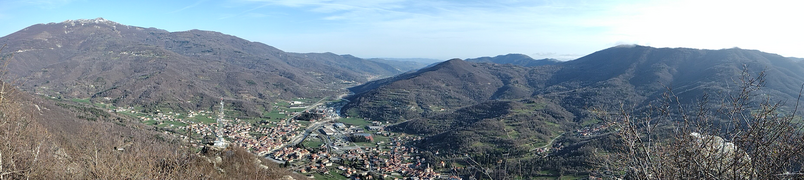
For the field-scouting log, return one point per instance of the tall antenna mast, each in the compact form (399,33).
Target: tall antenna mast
(220,114)
(220,142)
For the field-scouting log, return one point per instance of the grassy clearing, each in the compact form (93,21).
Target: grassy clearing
(571,177)
(378,138)
(552,124)
(150,122)
(590,122)
(539,144)
(209,119)
(231,113)
(529,108)
(478,144)
(312,143)
(333,175)
(84,101)
(104,106)
(306,100)
(250,120)
(275,115)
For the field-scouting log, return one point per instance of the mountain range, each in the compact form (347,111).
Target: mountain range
(189,70)
(631,75)
(515,59)
(492,109)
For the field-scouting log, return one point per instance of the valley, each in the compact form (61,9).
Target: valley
(324,147)
(320,147)
(222,103)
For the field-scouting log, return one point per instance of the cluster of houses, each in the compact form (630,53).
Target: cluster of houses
(590,131)
(122,109)
(290,154)
(161,117)
(395,159)
(274,136)
(323,111)
(319,163)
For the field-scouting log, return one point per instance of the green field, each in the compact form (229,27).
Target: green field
(209,119)
(306,100)
(333,175)
(570,177)
(84,101)
(378,138)
(282,104)
(312,143)
(590,122)
(104,106)
(149,122)
(354,121)
(274,115)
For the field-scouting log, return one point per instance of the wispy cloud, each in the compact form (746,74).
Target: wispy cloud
(562,27)
(491,26)
(189,6)
(336,7)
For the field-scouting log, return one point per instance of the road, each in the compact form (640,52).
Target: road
(320,102)
(299,138)
(549,144)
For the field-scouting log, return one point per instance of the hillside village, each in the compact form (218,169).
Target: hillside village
(320,147)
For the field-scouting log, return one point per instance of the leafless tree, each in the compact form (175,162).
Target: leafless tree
(740,138)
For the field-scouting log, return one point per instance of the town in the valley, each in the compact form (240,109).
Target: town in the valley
(309,137)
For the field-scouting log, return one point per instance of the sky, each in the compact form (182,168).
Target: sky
(444,29)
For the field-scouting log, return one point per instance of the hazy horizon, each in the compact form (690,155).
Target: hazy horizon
(442,30)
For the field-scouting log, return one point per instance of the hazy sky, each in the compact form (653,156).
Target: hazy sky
(444,29)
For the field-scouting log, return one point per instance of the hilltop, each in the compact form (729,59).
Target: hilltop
(126,65)
(515,59)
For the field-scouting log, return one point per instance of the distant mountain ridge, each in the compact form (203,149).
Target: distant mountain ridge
(401,64)
(128,65)
(515,59)
(417,60)
(630,75)
(451,84)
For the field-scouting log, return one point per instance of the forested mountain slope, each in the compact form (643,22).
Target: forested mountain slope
(630,75)
(189,70)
